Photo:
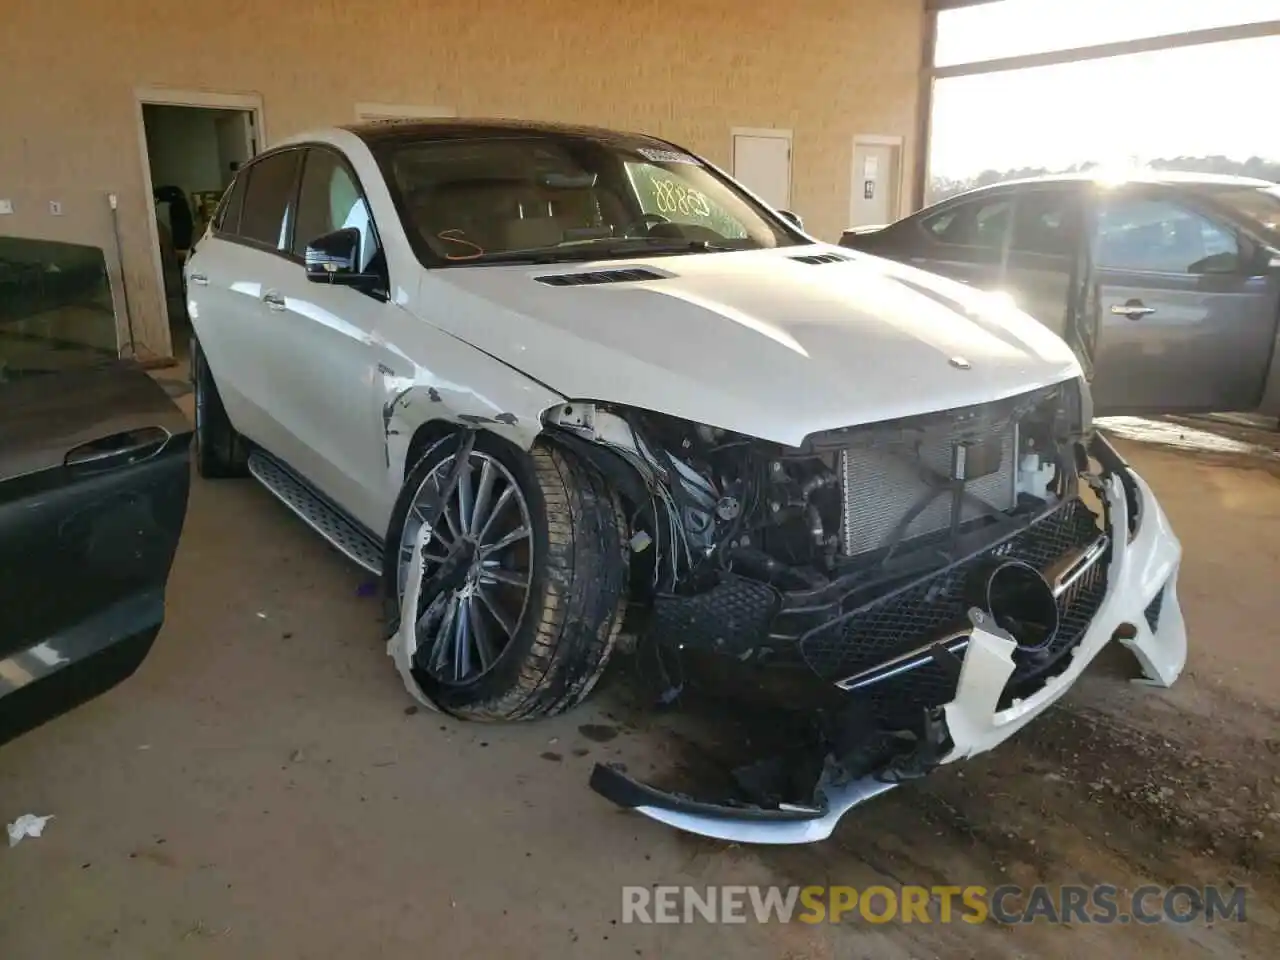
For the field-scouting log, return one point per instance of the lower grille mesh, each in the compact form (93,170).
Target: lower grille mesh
(1152,613)
(926,610)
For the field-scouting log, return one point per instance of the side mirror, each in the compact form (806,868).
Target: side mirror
(794,218)
(335,258)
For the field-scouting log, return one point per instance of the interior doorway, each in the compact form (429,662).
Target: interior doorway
(875,181)
(192,153)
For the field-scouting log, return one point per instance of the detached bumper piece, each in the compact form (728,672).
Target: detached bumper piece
(740,823)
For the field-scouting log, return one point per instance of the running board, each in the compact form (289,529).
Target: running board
(317,512)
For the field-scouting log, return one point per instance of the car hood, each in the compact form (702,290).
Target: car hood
(754,341)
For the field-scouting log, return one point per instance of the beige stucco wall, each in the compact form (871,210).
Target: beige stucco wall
(688,70)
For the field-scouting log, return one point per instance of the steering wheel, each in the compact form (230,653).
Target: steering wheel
(643,221)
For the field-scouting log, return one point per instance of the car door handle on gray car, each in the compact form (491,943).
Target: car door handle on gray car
(273,300)
(199,279)
(1134,310)
(119,449)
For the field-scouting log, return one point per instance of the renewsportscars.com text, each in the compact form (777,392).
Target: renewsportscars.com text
(1100,904)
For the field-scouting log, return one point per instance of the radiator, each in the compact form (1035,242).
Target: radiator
(881,484)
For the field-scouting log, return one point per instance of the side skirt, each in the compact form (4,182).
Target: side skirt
(317,511)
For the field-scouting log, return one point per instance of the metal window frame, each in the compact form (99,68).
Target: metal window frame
(931,73)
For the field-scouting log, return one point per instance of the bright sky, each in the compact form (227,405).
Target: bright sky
(1214,99)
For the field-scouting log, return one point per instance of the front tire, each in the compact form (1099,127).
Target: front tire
(532,547)
(219,451)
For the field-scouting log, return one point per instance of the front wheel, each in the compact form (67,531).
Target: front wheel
(525,574)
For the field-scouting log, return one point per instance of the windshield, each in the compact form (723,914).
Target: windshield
(555,197)
(1260,204)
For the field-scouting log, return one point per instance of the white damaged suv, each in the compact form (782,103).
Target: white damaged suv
(542,380)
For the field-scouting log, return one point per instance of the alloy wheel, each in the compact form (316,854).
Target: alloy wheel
(477,567)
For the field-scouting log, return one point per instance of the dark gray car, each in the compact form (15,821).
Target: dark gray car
(1168,286)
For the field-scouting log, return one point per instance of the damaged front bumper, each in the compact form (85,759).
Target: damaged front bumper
(1139,608)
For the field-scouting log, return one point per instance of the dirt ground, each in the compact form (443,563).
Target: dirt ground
(263,788)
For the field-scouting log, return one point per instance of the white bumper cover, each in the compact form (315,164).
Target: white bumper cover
(1140,569)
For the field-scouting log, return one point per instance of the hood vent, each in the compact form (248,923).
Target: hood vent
(820,258)
(598,276)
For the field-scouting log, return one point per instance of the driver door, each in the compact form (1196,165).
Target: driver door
(1184,324)
(94,471)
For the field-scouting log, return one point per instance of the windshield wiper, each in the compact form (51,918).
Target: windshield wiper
(576,251)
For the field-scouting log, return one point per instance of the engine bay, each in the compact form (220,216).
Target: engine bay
(705,502)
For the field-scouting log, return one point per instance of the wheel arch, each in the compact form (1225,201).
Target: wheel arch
(419,412)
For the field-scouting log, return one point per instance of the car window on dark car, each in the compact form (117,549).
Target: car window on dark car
(331,200)
(1042,223)
(1159,236)
(1260,205)
(56,309)
(268,196)
(978,223)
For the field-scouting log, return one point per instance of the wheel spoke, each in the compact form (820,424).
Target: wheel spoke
(503,620)
(515,536)
(484,641)
(483,494)
(512,578)
(503,499)
(440,643)
(455,532)
(433,611)
(464,497)
(462,642)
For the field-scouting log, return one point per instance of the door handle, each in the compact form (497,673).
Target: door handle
(199,279)
(273,300)
(1133,309)
(118,449)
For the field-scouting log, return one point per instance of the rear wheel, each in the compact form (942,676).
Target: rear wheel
(525,571)
(219,450)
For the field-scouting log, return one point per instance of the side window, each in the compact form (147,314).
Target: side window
(330,200)
(1042,223)
(1158,236)
(227,218)
(268,196)
(991,224)
(979,223)
(56,312)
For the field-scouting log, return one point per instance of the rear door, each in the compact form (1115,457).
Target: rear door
(94,471)
(1184,324)
(231,279)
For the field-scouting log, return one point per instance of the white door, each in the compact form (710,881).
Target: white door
(228,281)
(762,163)
(873,185)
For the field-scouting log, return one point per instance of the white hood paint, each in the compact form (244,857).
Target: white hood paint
(753,341)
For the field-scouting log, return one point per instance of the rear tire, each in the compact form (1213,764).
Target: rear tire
(574,562)
(219,451)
